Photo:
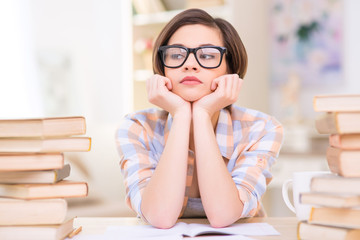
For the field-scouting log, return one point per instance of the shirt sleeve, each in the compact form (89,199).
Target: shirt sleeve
(251,173)
(137,161)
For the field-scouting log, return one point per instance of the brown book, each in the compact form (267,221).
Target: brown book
(37,232)
(345,141)
(30,161)
(70,144)
(338,217)
(307,231)
(46,176)
(43,127)
(337,103)
(32,212)
(62,189)
(330,200)
(338,122)
(346,163)
(333,183)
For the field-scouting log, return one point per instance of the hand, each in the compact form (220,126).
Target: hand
(226,89)
(159,93)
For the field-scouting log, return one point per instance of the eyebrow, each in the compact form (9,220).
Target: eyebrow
(201,45)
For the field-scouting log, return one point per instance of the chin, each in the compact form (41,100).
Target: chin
(192,98)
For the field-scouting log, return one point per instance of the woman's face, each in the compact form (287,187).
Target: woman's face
(191,81)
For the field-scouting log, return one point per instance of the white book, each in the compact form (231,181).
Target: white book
(192,230)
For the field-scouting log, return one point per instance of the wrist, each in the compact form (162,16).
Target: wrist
(201,113)
(183,112)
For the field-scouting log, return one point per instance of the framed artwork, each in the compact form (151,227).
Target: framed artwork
(306,39)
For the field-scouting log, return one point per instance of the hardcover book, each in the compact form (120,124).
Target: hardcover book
(330,199)
(37,232)
(62,189)
(30,161)
(46,176)
(345,141)
(308,231)
(49,145)
(346,163)
(32,212)
(337,103)
(43,127)
(338,217)
(338,122)
(333,183)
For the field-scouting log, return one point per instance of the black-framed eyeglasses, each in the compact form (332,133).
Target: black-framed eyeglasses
(174,56)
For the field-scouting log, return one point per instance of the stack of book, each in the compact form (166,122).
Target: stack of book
(32,176)
(335,198)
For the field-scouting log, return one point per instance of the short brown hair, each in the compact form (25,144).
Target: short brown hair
(236,57)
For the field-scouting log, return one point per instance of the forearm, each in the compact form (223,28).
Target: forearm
(218,191)
(163,196)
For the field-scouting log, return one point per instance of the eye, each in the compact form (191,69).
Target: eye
(177,56)
(206,56)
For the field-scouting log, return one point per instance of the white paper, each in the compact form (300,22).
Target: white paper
(146,231)
(227,237)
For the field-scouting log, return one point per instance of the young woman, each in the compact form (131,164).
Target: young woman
(199,156)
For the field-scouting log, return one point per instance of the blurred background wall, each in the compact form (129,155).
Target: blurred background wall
(90,58)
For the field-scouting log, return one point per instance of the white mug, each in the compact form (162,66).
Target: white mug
(300,183)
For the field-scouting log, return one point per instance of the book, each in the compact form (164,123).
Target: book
(70,144)
(32,212)
(192,230)
(345,141)
(308,231)
(330,200)
(332,183)
(43,127)
(338,217)
(346,163)
(30,161)
(46,176)
(62,189)
(338,122)
(37,232)
(337,103)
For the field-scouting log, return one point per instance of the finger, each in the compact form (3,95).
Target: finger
(239,85)
(236,84)
(150,83)
(214,84)
(221,85)
(168,83)
(229,84)
(153,84)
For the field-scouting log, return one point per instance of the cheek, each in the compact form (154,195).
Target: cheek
(169,73)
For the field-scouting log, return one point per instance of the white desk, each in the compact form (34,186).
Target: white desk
(97,225)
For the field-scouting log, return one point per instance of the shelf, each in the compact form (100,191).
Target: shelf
(164,17)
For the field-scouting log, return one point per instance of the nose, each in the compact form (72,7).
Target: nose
(191,63)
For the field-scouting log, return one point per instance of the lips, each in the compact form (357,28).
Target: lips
(190,80)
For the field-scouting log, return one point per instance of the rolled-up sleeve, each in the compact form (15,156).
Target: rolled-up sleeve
(137,161)
(251,172)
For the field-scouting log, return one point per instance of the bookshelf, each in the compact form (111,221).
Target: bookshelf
(147,24)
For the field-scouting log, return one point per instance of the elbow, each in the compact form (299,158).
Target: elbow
(220,219)
(161,219)
(163,223)
(221,222)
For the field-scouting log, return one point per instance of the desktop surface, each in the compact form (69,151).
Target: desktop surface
(286,226)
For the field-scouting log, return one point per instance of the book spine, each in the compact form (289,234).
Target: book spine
(333,156)
(326,123)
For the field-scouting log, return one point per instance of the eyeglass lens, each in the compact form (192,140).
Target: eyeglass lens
(206,57)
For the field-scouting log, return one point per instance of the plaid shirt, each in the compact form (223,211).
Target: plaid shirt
(249,139)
